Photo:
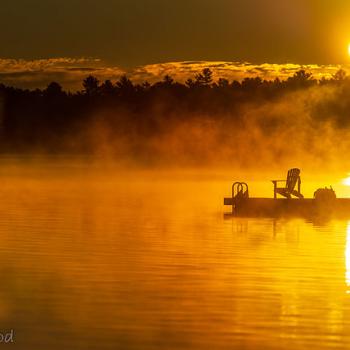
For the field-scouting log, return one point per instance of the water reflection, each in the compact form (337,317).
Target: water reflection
(347,259)
(115,264)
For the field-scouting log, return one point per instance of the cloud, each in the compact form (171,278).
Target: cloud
(181,71)
(67,71)
(70,72)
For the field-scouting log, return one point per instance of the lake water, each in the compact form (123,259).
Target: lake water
(103,260)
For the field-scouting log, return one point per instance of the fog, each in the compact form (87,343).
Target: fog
(305,128)
(248,126)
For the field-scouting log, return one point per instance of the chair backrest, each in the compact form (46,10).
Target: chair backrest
(292,178)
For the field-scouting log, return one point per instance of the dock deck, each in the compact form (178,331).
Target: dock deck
(270,207)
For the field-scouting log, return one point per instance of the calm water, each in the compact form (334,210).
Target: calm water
(146,262)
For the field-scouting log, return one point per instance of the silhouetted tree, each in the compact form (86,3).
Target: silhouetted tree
(340,75)
(168,80)
(146,85)
(107,88)
(301,79)
(46,119)
(91,85)
(204,78)
(251,83)
(54,89)
(223,83)
(125,84)
(190,83)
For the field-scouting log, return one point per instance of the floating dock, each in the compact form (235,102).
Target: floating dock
(269,207)
(242,205)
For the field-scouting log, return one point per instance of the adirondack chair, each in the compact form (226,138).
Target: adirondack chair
(293,177)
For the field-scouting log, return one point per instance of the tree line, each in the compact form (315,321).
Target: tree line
(54,120)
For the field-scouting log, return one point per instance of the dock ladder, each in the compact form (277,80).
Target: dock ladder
(240,192)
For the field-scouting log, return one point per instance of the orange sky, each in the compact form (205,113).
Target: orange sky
(63,40)
(138,32)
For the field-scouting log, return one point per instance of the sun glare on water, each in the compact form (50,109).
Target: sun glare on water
(346,181)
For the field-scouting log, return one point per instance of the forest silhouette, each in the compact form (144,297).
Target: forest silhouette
(201,120)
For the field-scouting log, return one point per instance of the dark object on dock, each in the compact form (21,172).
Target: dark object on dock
(293,177)
(325,194)
(325,200)
(324,204)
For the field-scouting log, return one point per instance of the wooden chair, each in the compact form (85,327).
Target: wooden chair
(293,177)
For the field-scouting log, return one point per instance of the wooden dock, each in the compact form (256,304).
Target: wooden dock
(270,207)
(324,204)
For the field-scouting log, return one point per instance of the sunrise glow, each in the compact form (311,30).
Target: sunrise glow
(346,181)
(175,174)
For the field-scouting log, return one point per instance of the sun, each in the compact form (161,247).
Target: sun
(349,49)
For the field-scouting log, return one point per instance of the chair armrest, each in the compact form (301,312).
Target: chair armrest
(278,181)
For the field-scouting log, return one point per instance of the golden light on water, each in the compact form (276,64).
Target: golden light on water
(346,181)
(347,259)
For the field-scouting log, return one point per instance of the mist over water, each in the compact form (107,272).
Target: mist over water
(251,124)
(306,127)
(93,255)
(113,230)
(112,223)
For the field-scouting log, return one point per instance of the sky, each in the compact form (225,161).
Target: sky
(129,34)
